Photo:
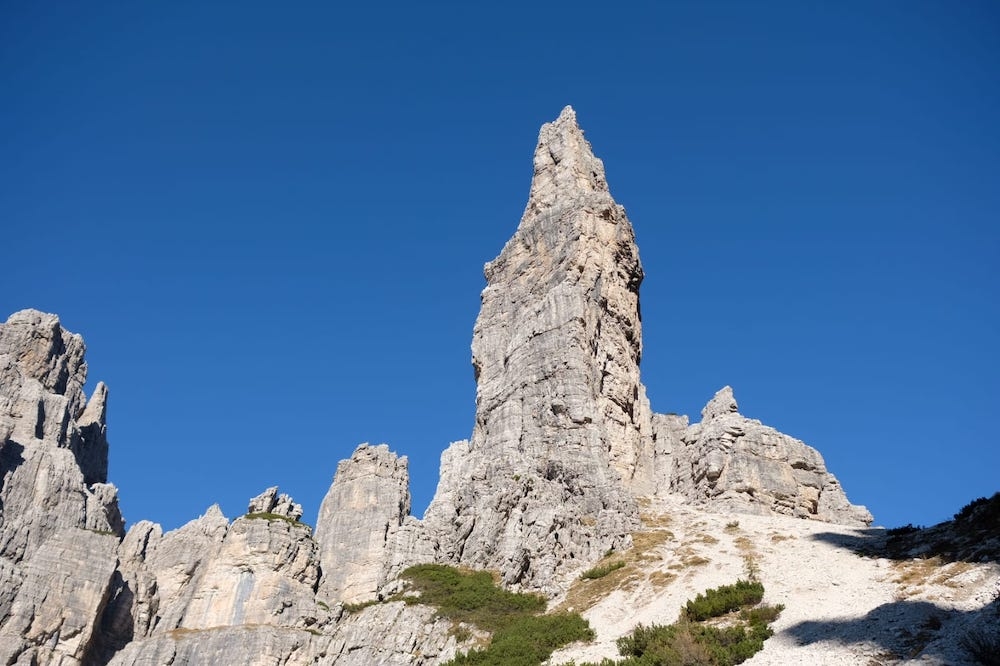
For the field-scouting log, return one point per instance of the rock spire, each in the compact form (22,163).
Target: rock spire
(560,413)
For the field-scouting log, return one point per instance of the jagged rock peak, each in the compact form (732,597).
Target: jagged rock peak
(40,348)
(565,165)
(271,502)
(561,416)
(722,403)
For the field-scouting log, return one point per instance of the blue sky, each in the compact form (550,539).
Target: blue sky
(269,223)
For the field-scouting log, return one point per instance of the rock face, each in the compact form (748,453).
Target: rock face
(739,464)
(560,414)
(56,509)
(359,522)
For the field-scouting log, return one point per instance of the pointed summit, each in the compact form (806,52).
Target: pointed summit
(565,166)
(540,489)
(722,403)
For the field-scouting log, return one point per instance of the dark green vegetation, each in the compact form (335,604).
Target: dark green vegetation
(709,632)
(602,570)
(521,635)
(724,599)
(973,536)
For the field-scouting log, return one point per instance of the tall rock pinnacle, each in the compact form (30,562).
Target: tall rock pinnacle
(560,412)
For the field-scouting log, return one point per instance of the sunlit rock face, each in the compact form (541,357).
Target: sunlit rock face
(561,416)
(365,531)
(59,519)
(731,462)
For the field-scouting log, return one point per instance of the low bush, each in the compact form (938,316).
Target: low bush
(690,642)
(602,570)
(724,599)
(521,636)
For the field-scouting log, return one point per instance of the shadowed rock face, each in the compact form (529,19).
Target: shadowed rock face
(561,415)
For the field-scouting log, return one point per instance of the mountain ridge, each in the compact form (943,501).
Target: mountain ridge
(564,462)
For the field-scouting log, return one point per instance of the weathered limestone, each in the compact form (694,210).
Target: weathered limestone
(394,634)
(270,502)
(358,524)
(55,615)
(739,464)
(56,511)
(561,417)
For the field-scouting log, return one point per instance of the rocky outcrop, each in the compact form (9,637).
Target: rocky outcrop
(55,615)
(360,522)
(59,518)
(561,418)
(739,464)
(394,634)
(270,504)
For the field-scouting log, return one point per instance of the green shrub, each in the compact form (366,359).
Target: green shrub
(468,596)
(724,599)
(909,528)
(528,641)
(521,636)
(602,570)
(360,606)
(695,643)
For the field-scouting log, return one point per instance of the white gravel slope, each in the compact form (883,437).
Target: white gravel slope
(840,608)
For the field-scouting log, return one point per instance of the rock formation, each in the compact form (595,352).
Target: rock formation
(561,417)
(563,447)
(359,521)
(741,465)
(59,519)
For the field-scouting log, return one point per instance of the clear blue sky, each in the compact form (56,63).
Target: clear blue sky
(269,222)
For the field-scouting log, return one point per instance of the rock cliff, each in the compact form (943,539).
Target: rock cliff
(563,450)
(735,463)
(541,487)
(59,519)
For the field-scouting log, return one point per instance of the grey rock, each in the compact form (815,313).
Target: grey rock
(57,513)
(391,634)
(53,449)
(55,614)
(358,523)
(721,404)
(740,464)
(561,418)
(271,502)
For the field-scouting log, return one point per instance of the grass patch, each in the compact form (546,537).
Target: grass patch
(273,516)
(688,642)
(521,635)
(644,553)
(358,607)
(654,519)
(602,570)
(660,579)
